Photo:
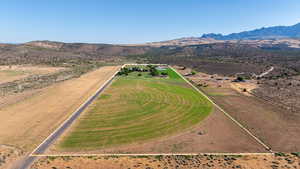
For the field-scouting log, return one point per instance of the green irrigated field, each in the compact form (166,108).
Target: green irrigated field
(137,108)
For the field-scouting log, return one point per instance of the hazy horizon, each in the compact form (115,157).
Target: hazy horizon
(132,22)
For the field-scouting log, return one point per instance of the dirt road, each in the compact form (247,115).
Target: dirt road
(266,72)
(27,123)
(60,130)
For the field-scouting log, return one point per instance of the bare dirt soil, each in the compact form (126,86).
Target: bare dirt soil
(278,128)
(216,133)
(287,161)
(279,131)
(26,123)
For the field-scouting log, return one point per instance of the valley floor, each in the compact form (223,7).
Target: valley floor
(276,127)
(162,100)
(26,123)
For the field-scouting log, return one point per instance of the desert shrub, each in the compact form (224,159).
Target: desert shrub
(296,154)
(280,154)
(158,157)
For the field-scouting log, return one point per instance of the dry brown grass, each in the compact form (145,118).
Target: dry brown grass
(164,162)
(241,86)
(16,72)
(26,123)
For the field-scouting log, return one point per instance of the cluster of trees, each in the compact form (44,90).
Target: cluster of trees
(150,68)
(153,70)
(164,73)
(126,70)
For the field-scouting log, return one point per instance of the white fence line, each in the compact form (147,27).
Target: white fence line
(240,125)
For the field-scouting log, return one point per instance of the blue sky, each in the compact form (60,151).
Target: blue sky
(137,21)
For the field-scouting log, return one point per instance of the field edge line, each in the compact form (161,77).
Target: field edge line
(154,154)
(81,105)
(228,115)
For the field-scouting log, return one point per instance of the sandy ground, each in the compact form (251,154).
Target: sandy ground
(16,72)
(17,97)
(244,87)
(171,162)
(27,123)
(273,125)
(218,81)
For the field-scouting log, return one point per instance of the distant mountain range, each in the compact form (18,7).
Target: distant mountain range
(271,37)
(283,36)
(275,32)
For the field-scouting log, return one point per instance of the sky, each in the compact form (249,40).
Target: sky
(137,21)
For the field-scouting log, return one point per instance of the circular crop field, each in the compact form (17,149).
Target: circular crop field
(138,108)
